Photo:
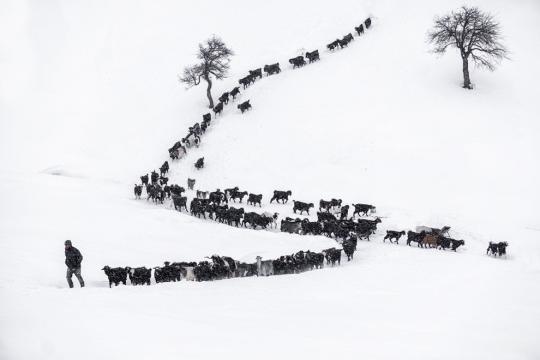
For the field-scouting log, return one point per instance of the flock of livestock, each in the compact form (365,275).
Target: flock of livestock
(225,267)
(193,137)
(332,218)
(157,186)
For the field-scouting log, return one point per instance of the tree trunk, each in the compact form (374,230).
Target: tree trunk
(466,78)
(209,92)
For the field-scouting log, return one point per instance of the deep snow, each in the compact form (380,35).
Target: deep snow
(89,101)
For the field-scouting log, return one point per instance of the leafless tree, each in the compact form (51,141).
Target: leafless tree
(214,58)
(475,33)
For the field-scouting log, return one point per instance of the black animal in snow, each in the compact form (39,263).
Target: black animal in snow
(137,190)
(272,69)
(199,164)
(164,169)
(362,209)
(367,23)
(313,56)
(244,106)
(139,275)
(179,202)
(301,206)
(246,81)
(297,61)
(218,109)
(281,195)
(254,199)
(257,73)
(224,98)
(391,234)
(144,179)
(497,248)
(292,226)
(234,92)
(116,275)
(415,237)
(333,45)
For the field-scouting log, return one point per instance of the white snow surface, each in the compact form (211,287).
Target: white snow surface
(89,101)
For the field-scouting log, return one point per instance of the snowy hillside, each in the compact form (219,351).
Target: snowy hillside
(90,101)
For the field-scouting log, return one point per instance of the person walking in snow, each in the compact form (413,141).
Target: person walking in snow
(73,262)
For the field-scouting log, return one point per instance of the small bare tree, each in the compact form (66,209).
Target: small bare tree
(214,58)
(475,33)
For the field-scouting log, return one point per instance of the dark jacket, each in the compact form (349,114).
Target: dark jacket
(73,258)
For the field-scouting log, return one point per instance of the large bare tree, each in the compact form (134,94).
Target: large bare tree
(214,58)
(474,33)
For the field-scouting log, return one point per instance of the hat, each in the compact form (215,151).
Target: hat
(67,242)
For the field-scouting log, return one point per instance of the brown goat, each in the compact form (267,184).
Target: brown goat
(430,240)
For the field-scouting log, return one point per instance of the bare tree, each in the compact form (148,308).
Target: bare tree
(214,58)
(475,33)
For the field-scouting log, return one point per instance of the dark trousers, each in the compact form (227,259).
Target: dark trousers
(77,273)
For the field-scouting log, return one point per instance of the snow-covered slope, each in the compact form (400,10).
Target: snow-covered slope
(89,93)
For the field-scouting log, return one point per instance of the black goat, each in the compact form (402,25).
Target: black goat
(344,212)
(272,69)
(415,237)
(367,23)
(224,98)
(116,275)
(144,179)
(164,168)
(445,243)
(301,206)
(234,92)
(244,106)
(167,273)
(179,202)
(246,81)
(140,275)
(332,256)
(323,217)
(254,220)
(333,45)
(362,209)
(281,195)
(313,228)
(254,199)
(257,73)
(217,197)
(325,205)
(497,248)
(349,247)
(297,61)
(199,164)
(391,234)
(218,109)
(177,190)
(163,180)
(238,195)
(137,190)
(229,191)
(293,226)
(313,56)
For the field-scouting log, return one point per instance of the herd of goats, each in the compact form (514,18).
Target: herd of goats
(193,137)
(332,218)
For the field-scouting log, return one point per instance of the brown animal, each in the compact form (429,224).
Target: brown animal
(430,240)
